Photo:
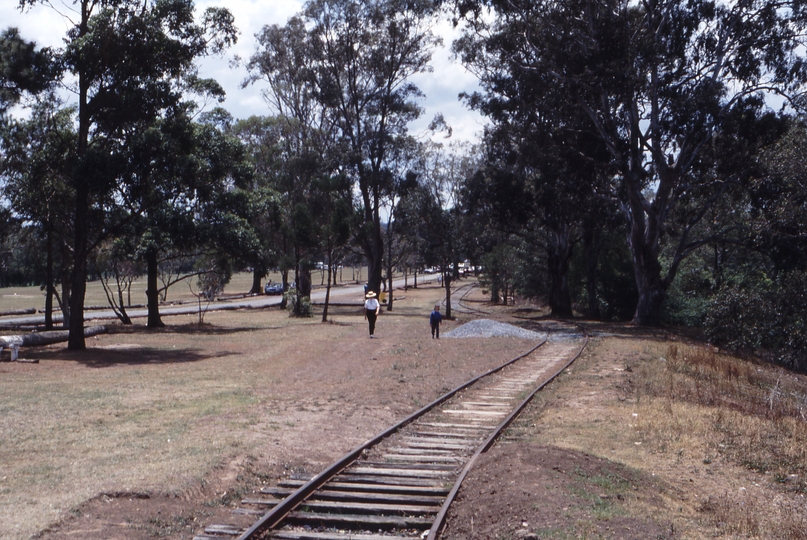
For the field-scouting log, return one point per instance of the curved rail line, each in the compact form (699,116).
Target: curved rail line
(403,480)
(463,291)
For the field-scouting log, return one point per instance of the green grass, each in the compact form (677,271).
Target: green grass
(16,298)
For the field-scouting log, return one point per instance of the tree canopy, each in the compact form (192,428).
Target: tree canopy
(640,160)
(23,68)
(657,82)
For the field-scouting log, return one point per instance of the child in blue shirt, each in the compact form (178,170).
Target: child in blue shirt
(436,319)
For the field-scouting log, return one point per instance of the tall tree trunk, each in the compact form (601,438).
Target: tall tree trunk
(559,251)
(79,276)
(374,245)
(152,294)
(75,341)
(644,222)
(375,260)
(447,284)
(389,289)
(303,288)
(49,282)
(284,278)
(591,246)
(651,294)
(328,285)
(304,282)
(257,276)
(647,272)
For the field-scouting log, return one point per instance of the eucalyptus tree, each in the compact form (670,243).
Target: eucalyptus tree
(430,213)
(536,185)
(156,195)
(129,61)
(262,136)
(224,178)
(445,173)
(432,224)
(36,167)
(366,55)
(180,176)
(332,198)
(265,138)
(23,68)
(404,160)
(756,297)
(778,201)
(307,172)
(657,81)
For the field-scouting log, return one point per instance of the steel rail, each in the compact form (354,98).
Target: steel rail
(439,520)
(282,509)
(285,508)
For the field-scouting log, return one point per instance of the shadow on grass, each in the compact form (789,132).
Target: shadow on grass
(533,318)
(101,357)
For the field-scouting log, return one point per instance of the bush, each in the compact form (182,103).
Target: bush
(769,316)
(298,306)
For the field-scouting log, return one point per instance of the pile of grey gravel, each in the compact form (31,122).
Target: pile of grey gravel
(485,328)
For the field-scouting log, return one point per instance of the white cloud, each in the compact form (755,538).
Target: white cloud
(442,87)
(47,27)
(40,24)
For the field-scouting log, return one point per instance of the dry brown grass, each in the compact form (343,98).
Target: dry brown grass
(756,412)
(159,412)
(724,438)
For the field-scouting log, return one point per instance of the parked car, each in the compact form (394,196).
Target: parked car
(273,288)
(429,270)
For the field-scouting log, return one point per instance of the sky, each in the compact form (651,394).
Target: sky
(47,27)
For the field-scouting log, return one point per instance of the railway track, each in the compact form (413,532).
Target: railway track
(402,482)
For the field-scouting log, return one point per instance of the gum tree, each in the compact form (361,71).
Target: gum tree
(23,68)
(37,163)
(305,141)
(367,52)
(129,62)
(657,81)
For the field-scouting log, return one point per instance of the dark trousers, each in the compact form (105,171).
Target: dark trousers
(436,330)
(371,317)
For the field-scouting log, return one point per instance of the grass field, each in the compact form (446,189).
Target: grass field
(17,298)
(160,412)
(152,434)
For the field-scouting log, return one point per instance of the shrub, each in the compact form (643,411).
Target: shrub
(298,306)
(768,316)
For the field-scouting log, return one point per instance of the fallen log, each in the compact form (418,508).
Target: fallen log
(35,339)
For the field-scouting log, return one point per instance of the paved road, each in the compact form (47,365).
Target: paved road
(348,293)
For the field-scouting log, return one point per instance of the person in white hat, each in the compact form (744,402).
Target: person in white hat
(371,309)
